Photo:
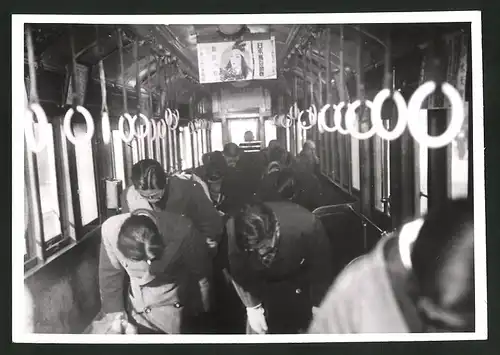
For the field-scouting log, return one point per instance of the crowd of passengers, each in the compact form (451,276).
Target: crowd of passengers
(243,223)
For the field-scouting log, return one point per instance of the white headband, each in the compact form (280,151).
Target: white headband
(407,237)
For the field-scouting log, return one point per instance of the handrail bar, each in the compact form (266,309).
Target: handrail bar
(363,217)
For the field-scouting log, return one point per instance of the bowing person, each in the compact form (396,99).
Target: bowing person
(152,190)
(279,262)
(167,265)
(417,279)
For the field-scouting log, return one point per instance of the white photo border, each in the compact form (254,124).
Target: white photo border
(18,93)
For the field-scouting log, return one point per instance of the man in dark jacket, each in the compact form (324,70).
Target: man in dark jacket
(152,190)
(242,178)
(279,260)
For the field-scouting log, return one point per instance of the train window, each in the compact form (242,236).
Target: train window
(459,160)
(200,147)
(204,140)
(170,143)
(217,136)
(135,151)
(118,155)
(423,161)
(48,189)
(182,148)
(355,163)
(149,145)
(187,157)
(162,142)
(157,150)
(238,127)
(269,131)
(141,144)
(288,143)
(86,178)
(301,138)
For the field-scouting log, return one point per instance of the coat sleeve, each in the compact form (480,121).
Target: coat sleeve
(204,215)
(195,254)
(333,316)
(111,279)
(196,258)
(245,282)
(340,311)
(320,262)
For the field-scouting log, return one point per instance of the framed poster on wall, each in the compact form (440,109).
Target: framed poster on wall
(251,59)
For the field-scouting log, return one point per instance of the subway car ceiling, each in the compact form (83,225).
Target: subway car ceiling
(176,44)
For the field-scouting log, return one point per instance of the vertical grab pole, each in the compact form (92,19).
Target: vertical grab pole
(331,156)
(311,92)
(191,130)
(170,165)
(127,149)
(140,141)
(365,151)
(342,98)
(305,105)
(175,159)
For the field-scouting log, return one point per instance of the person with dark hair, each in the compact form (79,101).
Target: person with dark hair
(248,136)
(279,263)
(231,154)
(152,190)
(242,177)
(278,184)
(299,187)
(419,279)
(168,268)
(307,159)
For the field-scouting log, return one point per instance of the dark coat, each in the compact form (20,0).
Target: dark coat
(241,183)
(296,280)
(184,197)
(162,294)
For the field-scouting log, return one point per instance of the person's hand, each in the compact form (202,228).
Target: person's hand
(116,320)
(205,294)
(119,323)
(212,244)
(257,319)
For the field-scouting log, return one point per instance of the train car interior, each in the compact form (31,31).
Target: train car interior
(373,120)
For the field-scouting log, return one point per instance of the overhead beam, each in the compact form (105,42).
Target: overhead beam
(169,42)
(290,42)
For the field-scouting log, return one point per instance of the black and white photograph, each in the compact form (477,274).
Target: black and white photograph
(266,178)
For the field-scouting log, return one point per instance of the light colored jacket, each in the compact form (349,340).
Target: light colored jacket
(362,299)
(161,294)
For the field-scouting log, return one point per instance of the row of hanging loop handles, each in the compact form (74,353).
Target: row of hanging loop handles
(407,114)
(158,128)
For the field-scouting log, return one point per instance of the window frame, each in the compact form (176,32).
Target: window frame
(38,250)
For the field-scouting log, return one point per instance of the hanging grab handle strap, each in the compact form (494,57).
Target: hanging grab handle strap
(102,76)
(75,99)
(33,94)
(137,76)
(122,69)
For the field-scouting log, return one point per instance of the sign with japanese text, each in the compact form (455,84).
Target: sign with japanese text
(237,61)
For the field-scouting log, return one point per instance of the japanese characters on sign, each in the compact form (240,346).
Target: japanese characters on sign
(237,61)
